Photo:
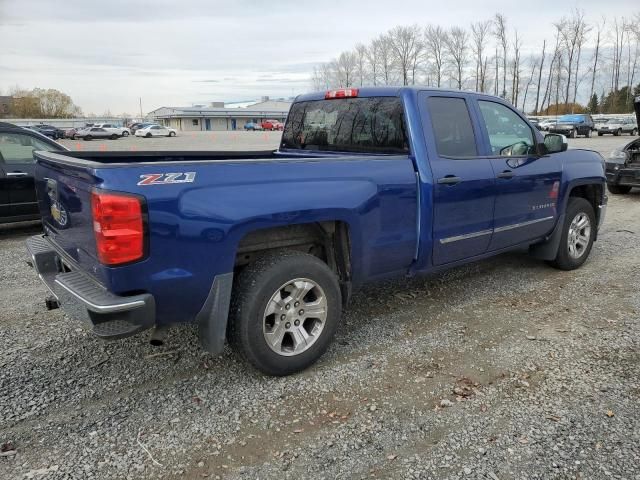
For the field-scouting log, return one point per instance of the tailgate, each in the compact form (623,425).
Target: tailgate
(64,201)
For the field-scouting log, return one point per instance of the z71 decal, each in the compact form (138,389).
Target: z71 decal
(166,178)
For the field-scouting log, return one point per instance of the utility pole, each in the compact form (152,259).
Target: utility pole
(141,116)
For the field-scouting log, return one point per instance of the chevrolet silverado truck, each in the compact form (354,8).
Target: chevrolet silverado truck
(623,164)
(263,249)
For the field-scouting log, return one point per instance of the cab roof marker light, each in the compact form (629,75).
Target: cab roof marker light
(341,93)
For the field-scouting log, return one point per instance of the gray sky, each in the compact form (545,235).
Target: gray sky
(178,52)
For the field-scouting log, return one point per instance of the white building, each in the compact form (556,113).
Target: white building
(218,117)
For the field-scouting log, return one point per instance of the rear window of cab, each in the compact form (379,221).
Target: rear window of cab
(360,125)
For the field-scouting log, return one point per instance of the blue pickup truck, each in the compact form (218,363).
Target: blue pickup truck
(263,249)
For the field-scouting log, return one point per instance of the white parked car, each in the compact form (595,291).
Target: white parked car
(110,127)
(155,131)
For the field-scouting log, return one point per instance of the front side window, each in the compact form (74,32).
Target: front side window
(194,122)
(509,134)
(19,148)
(361,125)
(452,127)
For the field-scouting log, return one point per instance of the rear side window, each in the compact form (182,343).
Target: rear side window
(362,125)
(452,127)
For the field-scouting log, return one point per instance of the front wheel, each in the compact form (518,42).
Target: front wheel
(285,311)
(617,133)
(588,134)
(578,232)
(172,134)
(125,134)
(572,134)
(148,135)
(618,189)
(634,132)
(88,137)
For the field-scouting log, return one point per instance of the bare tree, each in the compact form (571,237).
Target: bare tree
(457,49)
(372,55)
(500,32)
(361,61)
(345,67)
(386,58)
(534,65)
(599,28)
(544,46)
(515,66)
(479,33)
(407,46)
(435,41)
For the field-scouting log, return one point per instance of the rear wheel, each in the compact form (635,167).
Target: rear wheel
(634,132)
(285,311)
(618,189)
(577,235)
(125,133)
(588,134)
(88,137)
(114,137)
(599,134)
(617,133)
(572,133)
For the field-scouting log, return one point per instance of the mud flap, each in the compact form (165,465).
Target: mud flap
(212,318)
(548,249)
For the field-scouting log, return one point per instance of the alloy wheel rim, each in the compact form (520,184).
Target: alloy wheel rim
(294,317)
(579,235)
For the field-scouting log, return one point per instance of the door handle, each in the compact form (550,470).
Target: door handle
(17,174)
(506,174)
(449,180)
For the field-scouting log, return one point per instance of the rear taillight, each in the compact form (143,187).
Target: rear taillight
(341,93)
(118,225)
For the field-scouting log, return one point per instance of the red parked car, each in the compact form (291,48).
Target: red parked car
(272,125)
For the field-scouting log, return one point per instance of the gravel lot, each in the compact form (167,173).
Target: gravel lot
(502,369)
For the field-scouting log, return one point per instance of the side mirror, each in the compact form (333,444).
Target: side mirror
(555,143)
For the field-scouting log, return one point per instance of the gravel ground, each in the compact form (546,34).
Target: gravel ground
(501,369)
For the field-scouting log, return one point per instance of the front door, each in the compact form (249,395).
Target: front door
(527,184)
(18,165)
(207,124)
(463,189)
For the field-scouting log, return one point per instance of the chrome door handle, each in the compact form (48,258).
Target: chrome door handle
(17,174)
(506,174)
(449,180)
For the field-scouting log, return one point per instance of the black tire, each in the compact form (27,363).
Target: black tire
(114,137)
(599,134)
(588,134)
(618,189)
(572,133)
(125,133)
(634,132)
(148,135)
(172,134)
(564,260)
(88,137)
(253,290)
(617,132)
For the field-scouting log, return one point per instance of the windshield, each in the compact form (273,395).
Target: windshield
(571,118)
(363,125)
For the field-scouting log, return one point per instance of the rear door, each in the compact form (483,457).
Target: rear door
(463,190)
(527,184)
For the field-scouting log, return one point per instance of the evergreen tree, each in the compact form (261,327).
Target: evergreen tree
(592,106)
